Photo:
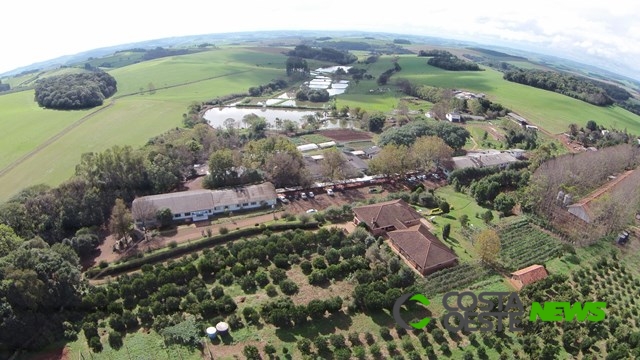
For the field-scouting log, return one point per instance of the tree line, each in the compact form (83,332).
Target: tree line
(384,77)
(75,91)
(591,91)
(447,61)
(323,54)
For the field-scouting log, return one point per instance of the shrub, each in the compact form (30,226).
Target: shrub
(277,275)
(251,352)
(271,290)
(95,344)
(288,287)
(115,340)
(306,267)
(173,244)
(223,230)
(103,264)
(270,349)
(385,333)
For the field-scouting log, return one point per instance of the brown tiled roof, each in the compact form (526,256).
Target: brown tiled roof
(381,215)
(422,247)
(531,274)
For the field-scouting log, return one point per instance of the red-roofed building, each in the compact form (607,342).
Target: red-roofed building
(528,275)
(386,216)
(423,250)
(407,233)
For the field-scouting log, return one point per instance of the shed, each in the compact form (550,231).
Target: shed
(327,144)
(358,153)
(307,147)
(317,157)
(528,275)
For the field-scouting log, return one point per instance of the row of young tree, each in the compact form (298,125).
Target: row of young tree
(588,90)
(384,77)
(75,91)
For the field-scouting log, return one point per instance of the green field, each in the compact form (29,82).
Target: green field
(132,120)
(554,112)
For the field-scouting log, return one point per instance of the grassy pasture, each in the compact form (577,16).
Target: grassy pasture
(132,120)
(552,111)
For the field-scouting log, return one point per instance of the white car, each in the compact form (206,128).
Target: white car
(303,196)
(311,211)
(311,194)
(329,192)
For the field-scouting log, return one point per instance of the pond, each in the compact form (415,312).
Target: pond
(217,116)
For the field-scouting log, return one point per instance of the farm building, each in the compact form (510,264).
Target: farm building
(584,208)
(483,159)
(423,250)
(307,147)
(453,117)
(198,205)
(405,228)
(327,144)
(528,275)
(386,216)
(372,151)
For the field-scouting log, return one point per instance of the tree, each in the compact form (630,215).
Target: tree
(488,245)
(9,241)
(446,230)
(333,164)
(144,210)
(164,217)
(431,151)
(121,220)
(392,160)
(464,220)
(222,168)
(376,122)
(487,216)
(445,207)
(288,287)
(504,203)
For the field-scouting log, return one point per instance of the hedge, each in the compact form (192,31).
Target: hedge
(97,273)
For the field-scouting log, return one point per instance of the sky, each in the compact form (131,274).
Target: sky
(587,31)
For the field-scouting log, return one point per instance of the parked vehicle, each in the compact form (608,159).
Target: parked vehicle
(311,211)
(303,196)
(311,194)
(330,192)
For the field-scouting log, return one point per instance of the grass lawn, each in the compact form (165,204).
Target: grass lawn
(460,204)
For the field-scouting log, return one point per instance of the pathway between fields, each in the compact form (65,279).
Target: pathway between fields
(74,125)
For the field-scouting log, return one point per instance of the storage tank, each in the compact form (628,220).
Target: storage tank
(222,328)
(212,332)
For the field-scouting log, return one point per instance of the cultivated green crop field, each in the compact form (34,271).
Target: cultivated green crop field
(132,120)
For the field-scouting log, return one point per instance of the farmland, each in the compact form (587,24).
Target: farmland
(524,245)
(178,81)
(554,112)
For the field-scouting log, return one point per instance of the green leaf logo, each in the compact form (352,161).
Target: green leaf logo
(424,301)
